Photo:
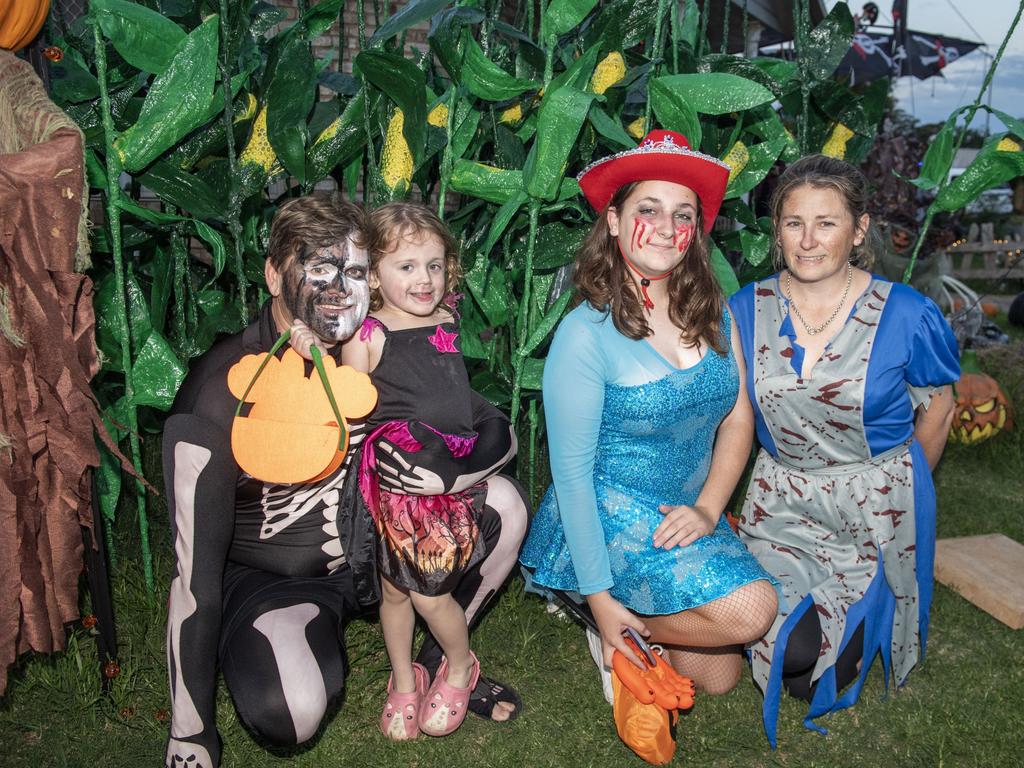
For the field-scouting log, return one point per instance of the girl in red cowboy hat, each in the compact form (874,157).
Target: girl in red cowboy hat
(649,426)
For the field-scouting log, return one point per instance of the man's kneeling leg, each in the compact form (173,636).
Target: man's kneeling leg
(284,663)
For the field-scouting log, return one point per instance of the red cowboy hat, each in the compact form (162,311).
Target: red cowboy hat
(661,156)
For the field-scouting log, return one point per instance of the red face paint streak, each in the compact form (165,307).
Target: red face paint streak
(635,243)
(684,235)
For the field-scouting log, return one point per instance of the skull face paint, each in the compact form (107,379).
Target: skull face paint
(327,290)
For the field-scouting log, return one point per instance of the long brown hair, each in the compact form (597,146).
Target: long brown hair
(695,298)
(824,172)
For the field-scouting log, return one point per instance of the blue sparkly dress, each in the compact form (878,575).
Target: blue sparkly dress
(628,432)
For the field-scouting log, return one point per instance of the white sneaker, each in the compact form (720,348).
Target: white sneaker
(597,654)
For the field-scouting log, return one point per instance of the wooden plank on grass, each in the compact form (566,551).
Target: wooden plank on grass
(987,570)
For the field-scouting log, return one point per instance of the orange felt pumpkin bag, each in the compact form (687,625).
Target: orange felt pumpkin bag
(295,431)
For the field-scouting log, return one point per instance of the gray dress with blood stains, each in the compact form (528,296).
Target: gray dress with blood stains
(841,506)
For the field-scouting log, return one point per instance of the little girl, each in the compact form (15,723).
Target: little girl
(426,543)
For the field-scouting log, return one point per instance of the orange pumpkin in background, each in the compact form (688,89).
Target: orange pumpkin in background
(20,22)
(982,409)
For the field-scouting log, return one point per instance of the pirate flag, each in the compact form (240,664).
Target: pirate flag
(874,55)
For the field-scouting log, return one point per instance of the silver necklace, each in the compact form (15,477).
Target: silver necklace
(818,328)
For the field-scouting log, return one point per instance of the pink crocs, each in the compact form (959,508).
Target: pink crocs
(400,718)
(444,707)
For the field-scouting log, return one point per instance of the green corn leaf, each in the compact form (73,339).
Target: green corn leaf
(161,272)
(320,17)
(494,185)
(467,120)
(716,93)
(745,68)
(828,43)
(108,479)
(1012,124)
(73,82)
(762,158)
(340,142)
(989,169)
(184,190)
(446,41)
(486,282)
(409,16)
(562,15)
(533,373)
(783,73)
(756,246)
(691,24)
(108,307)
(556,245)
(938,158)
(218,253)
(547,325)
(157,373)
(724,273)
(485,79)
(212,238)
(496,389)
(674,112)
(609,128)
(143,37)
(502,219)
(562,114)
(290,95)
(178,99)
(403,82)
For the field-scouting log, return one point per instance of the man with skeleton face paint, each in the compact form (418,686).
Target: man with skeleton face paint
(267,574)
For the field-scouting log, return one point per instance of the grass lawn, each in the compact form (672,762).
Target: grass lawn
(961,708)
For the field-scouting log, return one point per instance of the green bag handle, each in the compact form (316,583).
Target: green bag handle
(318,363)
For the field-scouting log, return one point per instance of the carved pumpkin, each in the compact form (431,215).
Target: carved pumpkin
(981,409)
(20,22)
(291,434)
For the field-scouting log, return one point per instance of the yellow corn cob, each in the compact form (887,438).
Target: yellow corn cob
(1006,144)
(258,151)
(249,111)
(395,157)
(736,159)
(512,115)
(836,144)
(439,116)
(636,128)
(608,72)
(328,133)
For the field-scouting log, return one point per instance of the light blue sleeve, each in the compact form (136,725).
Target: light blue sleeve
(574,382)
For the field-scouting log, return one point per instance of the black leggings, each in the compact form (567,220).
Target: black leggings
(803,650)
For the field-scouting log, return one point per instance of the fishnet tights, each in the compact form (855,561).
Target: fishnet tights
(704,643)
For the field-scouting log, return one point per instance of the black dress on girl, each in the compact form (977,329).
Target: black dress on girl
(425,543)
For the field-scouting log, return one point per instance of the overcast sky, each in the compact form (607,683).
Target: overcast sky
(933,99)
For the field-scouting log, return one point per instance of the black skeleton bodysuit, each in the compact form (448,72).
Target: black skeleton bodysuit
(266,575)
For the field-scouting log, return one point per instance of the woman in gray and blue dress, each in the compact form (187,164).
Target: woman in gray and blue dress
(849,378)
(648,424)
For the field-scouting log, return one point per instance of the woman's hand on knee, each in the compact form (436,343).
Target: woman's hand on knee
(683,525)
(612,618)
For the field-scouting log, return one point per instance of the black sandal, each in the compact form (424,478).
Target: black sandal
(488,693)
